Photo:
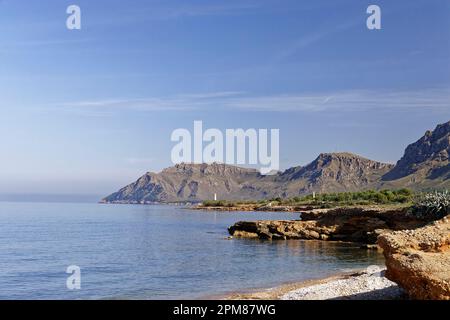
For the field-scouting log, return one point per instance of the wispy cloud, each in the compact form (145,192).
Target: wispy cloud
(355,100)
(349,101)
(310,39)
(212,95)
(182,102)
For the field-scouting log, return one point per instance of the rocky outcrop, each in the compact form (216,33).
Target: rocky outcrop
(419,260)
(361,225)
(279,229)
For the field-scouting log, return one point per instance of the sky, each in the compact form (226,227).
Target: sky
(88,111)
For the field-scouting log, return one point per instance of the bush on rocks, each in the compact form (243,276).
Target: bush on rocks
(434,205)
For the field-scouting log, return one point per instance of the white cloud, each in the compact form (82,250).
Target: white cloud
(354,100)
(223,94)
(349,101)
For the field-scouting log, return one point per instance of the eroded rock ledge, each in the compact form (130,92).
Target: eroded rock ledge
(419,260)
(362,225)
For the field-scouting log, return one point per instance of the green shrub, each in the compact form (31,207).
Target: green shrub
(328,200)
(215,203)
(367,197)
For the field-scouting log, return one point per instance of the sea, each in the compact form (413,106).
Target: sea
(79,250)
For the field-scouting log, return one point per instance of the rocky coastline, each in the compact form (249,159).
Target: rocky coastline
(360,224)
(417,250)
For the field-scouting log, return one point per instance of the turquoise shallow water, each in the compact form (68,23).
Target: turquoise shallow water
(151,252)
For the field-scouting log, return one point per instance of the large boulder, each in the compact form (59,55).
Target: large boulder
(419,260)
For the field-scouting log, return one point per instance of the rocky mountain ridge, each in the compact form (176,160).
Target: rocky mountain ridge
(424,165)
(427,158)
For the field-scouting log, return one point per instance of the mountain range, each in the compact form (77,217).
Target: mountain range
(424,166)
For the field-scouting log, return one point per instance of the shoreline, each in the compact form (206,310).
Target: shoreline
(360,284)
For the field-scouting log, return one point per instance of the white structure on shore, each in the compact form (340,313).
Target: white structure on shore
(215,196)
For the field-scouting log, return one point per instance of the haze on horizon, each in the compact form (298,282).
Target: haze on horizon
(88,111)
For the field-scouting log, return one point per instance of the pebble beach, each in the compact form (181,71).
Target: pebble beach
(369,284)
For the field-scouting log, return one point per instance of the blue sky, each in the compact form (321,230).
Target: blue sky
(87,111)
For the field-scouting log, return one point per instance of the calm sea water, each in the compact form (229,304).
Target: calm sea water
(151,252)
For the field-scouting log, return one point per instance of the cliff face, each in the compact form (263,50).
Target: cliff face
(424,165)
(425,160)
(419,260)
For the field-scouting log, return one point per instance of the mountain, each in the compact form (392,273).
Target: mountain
(196,182)
(425,165)
(191,182)
(334,172)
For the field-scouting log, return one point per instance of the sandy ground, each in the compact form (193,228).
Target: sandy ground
(359,285)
